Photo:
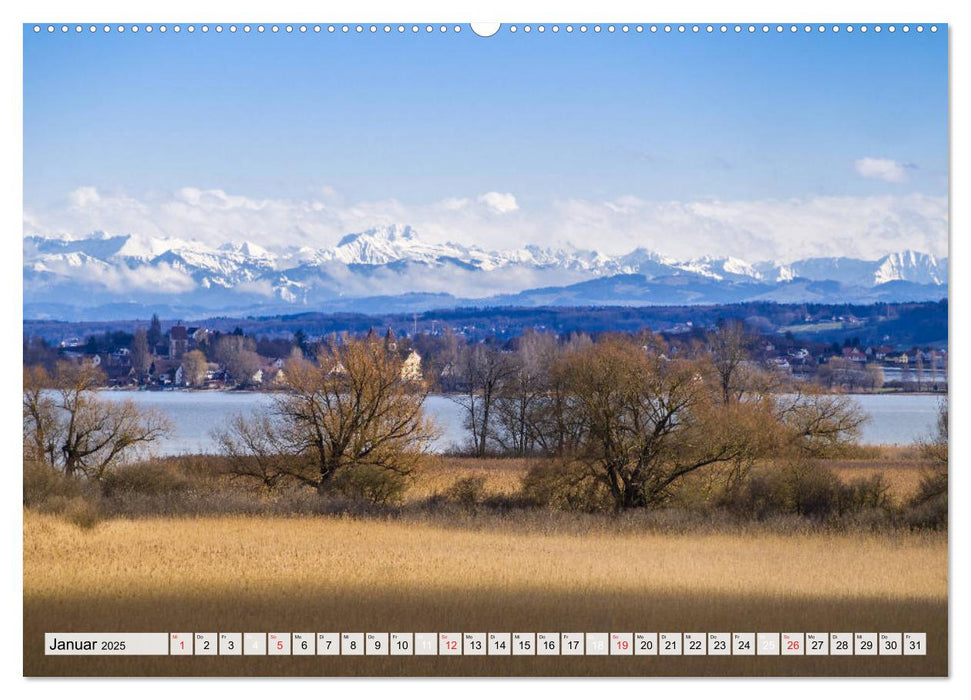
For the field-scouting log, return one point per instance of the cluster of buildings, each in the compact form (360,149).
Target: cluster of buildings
(179,361)
(188,356)
(906,367)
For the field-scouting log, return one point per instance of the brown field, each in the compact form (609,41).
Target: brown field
(343,574)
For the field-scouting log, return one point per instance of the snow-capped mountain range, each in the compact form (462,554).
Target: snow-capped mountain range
(394,266)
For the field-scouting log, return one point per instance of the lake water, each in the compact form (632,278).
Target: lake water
(893,419)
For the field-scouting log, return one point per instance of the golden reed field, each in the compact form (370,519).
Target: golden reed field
(341,574)
(902,468)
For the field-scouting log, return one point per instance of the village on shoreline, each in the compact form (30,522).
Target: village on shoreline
(201,358)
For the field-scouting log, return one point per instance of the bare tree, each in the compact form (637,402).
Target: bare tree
(257,448)
(484,369)
(874,376)
(906,376)
(154,334)
(818,424)
(236,353)
(934,448)
(194,368)
(841,372)
(441,358)
(931,497)
(71,429)
(522,400)
(651,421)
(41,425)
(351,410)
(728,349)
(561,429)
(141,354)
(647,421)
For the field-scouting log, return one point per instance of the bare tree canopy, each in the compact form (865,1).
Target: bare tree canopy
(257,448)
(934,448)
(349,410)
(483,370)
(194,367)
(141,353)
(728,350)
(649,421)
(237,354)
(817,424)
(638,421)
(68,427)
(522,405)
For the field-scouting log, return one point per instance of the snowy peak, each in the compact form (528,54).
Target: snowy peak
(380,246)
(647,262)
(395,234)
(907,266)
(98,245)
(246,249)
(395,260)
(910,266)
(401,244)
(148,247)
(729,268)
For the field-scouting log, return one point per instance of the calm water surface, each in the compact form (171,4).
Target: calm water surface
(893,419)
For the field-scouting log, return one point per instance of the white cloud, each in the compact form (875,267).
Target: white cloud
(499,202)
(84,196)
(454,203)
(882,169)
(217,199)
(755,230)
(119,279)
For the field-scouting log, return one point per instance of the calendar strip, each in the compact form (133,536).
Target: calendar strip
(487,644)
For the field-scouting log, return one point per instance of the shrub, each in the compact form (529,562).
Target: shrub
(83,512)
(933,485)
(147,478)
(927,508)
(813,491)
(760,496)
(866,493)
(930,514)
(808,490)
(42,483)
(564,486)
(467,492)
(374,485)
(698,492)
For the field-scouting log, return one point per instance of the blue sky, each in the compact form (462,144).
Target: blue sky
(612,120)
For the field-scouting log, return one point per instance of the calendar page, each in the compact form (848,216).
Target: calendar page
(515,349)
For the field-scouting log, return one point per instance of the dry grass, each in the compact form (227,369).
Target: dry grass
(502,476)
(903,480)
(326,574)
(902,467)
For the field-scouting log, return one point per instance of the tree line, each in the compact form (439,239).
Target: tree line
(628,413)
(631,413)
